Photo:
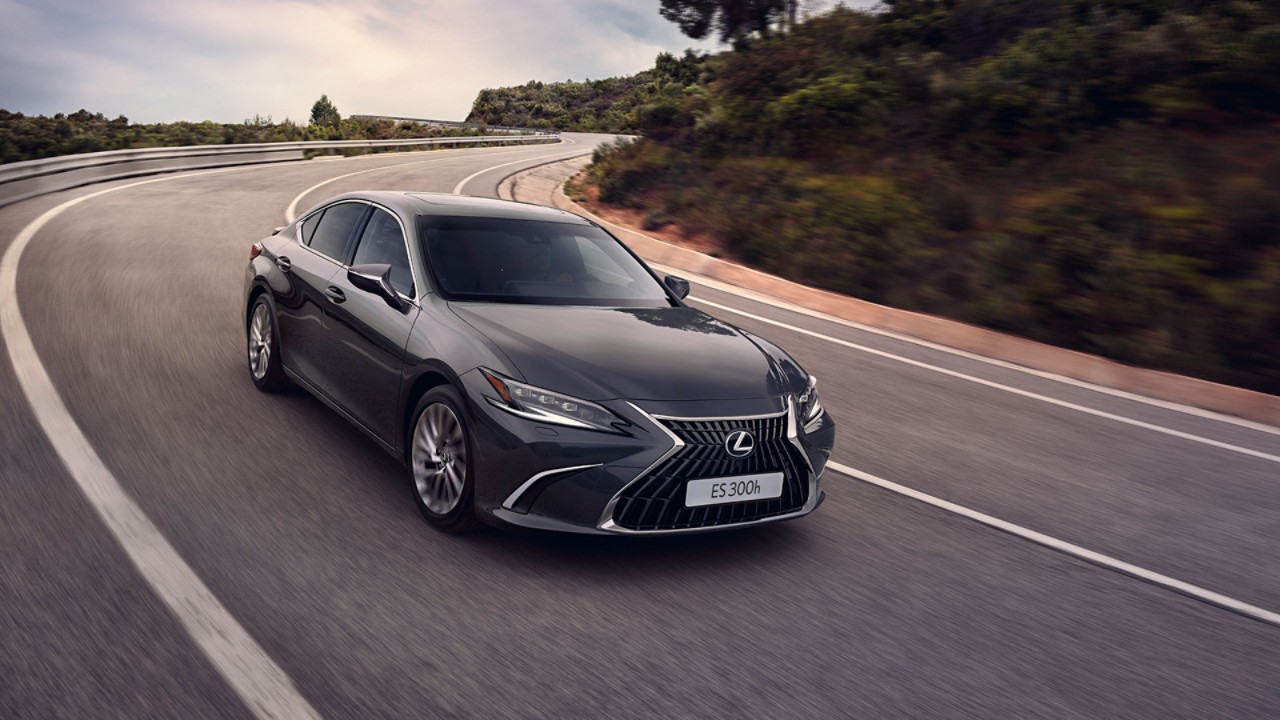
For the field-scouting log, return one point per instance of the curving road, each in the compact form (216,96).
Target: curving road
(876,606)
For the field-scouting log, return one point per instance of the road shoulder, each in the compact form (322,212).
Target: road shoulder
(544,185)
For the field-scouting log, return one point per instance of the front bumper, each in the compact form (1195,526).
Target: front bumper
(551,477)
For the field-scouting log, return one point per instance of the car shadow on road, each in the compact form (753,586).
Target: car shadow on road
(635,557)
(384,481)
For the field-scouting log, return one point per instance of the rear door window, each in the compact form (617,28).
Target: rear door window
(333,233)
(383,244)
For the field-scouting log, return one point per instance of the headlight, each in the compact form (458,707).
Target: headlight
(807,404)
(535,403)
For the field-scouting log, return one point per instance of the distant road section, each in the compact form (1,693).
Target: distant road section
(23,180)
(459,124)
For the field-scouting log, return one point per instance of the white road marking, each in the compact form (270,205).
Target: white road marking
(1006,388)
(1054,377)
(1102,389)
(254,676)
(457,189)
(1193,591)
(291,212)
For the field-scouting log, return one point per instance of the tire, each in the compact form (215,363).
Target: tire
(263,344)
(441,462)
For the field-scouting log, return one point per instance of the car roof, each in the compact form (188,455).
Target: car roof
(410,203)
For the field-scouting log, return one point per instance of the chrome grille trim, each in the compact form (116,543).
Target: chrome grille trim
(714,516)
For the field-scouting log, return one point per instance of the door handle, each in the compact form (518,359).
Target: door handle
(335,294)
(284,264)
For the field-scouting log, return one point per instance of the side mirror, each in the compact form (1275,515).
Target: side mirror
(376,279)
(677,285)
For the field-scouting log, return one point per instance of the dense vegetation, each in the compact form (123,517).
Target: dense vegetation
(1098,174)
(733,21)
(608,106)
(29,138)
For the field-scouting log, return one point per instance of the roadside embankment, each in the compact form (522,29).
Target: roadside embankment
(544,185)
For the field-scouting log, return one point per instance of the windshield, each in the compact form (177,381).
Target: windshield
(533,261)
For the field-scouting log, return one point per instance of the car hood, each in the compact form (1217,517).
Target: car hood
(675,353)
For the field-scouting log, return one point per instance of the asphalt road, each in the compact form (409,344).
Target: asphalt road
(877,606)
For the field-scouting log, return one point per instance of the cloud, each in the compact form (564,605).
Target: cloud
(226,60)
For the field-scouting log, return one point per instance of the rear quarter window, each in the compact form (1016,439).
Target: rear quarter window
(307,227)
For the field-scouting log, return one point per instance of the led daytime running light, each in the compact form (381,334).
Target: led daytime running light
(548,406)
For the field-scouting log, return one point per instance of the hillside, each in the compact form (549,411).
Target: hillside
(1104,176)
(608,105)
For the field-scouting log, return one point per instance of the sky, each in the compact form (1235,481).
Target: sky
(229,60)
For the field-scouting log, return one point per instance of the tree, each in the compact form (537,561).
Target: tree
(324,113)
(733,20)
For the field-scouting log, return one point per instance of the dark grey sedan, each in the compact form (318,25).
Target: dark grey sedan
(530,370)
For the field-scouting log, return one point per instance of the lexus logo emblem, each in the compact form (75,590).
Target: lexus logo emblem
(740,443)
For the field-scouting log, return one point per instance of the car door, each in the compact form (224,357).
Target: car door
(323,238)
(365,337)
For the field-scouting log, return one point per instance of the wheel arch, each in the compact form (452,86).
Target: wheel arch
(255,292)
(432,376)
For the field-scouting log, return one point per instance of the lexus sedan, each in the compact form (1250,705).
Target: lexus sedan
(530,370)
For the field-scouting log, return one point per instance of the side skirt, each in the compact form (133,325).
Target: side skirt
(304,384)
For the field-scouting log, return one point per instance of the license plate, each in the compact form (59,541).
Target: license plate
(718,491)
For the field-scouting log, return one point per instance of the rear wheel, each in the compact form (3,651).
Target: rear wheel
(264,348)
(440,462)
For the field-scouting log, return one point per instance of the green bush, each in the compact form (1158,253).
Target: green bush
(1099,174)
(25,137)
(612,105)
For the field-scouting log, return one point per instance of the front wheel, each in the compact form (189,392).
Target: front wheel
(264,348)
(440,462)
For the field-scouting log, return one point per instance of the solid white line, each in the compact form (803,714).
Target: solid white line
(1006,388)
(1102,389)
(1048,541)
(457,189)
(291,212)
(1054,377)
(253,675)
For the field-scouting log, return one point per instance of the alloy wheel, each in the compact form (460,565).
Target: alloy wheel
(439,458)
(260,342)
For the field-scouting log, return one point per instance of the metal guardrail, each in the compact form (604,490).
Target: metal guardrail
(23,180)
(459,124)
